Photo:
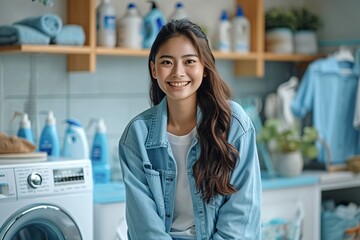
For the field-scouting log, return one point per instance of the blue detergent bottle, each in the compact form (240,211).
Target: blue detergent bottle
(153,22)
(25,127)
(100,153)
(75,142)
(49,139)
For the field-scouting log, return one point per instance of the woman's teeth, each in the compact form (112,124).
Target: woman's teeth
(178,84)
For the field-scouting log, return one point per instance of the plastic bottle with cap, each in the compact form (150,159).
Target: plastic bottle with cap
(100,153)
(75,142)
(153,22)
(224,38)
(240,28)
(25,127)
(179,12)
(106,24)
(131,29)
(49,139)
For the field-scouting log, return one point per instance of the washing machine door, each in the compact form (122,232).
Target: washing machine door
(39,223)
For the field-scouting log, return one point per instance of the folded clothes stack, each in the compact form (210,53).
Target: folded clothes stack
(42,30)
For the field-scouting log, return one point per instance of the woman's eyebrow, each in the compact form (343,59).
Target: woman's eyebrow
(184,56)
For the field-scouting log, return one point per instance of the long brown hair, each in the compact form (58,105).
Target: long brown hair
(217,159)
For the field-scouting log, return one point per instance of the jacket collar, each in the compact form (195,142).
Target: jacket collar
(158,128)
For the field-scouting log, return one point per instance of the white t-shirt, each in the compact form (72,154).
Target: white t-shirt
(183,225)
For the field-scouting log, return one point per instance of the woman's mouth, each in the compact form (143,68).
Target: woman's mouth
(178,84)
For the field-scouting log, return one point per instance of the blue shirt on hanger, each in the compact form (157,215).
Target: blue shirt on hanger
(330,94)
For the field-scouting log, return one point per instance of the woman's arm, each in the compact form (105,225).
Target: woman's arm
(239,216)
(144,207)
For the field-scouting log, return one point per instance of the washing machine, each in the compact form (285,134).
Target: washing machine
(51,200)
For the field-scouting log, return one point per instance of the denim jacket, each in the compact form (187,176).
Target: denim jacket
(149,172)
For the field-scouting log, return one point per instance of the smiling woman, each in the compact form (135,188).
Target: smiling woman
(190,163)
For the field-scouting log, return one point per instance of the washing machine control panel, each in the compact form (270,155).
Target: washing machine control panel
(49,179)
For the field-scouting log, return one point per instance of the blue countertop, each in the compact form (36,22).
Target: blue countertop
(269,183)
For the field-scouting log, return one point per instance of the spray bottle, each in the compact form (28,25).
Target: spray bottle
(25,127)
(100,153)
(153,22)
(75,142)
(49,139)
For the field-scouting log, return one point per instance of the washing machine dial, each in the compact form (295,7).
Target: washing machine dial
(34,180)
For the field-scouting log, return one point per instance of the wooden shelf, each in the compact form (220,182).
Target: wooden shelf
(84,58)
(291,57)
(53,49)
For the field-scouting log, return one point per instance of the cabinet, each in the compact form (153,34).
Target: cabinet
(83,58)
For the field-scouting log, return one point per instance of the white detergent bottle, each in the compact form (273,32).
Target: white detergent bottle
(131,29)
(25,127)
(106,24)
(179,12)
(100,153)
(224,39)
(49,139)
(75,143)
(240,32)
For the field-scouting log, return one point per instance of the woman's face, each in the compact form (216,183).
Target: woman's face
(177,69)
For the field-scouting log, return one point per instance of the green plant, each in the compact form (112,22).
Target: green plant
(306,20)
(289,139)
(279,18)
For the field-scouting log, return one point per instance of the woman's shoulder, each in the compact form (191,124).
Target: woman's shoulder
(138,125)
(239,117)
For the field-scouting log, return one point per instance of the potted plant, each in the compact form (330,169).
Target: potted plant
(288,146)
(306,25)
(279,26)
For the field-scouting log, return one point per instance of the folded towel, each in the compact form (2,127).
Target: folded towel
(49,24)
(18,34)
(70,35)
(14,144)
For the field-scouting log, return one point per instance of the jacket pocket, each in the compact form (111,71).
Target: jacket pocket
(154,181)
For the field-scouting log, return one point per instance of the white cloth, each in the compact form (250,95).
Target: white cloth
(183,225)
(278,105)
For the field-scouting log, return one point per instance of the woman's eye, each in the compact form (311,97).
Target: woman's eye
(165,62)
(190,61)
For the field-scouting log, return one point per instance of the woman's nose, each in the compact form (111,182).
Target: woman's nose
(178,71)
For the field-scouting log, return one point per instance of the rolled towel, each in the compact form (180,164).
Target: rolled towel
(14,144)
(49,24)
(19,34)
(70,35)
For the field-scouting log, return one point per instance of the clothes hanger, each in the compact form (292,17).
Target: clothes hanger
(344,54)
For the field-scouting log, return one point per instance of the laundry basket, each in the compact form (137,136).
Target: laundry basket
(286,224)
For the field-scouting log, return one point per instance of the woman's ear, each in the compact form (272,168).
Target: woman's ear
(153,71)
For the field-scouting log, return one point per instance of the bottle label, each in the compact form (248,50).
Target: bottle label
(46,146)
(110,23)
(96,154)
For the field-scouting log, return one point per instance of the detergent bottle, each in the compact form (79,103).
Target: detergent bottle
(49,139)
(240,26)
(224,39)
(130,29)
(153,22)
(75,142)
(106,24)
(25,127)
(100,153)
(179,12)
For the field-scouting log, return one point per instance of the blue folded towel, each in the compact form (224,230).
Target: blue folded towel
(49,24)
(18,34)
(70,35)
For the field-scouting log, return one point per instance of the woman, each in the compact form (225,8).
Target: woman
(190,163)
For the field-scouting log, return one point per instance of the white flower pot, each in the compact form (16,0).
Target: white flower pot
(305,42)
(279,40)
(288,164)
